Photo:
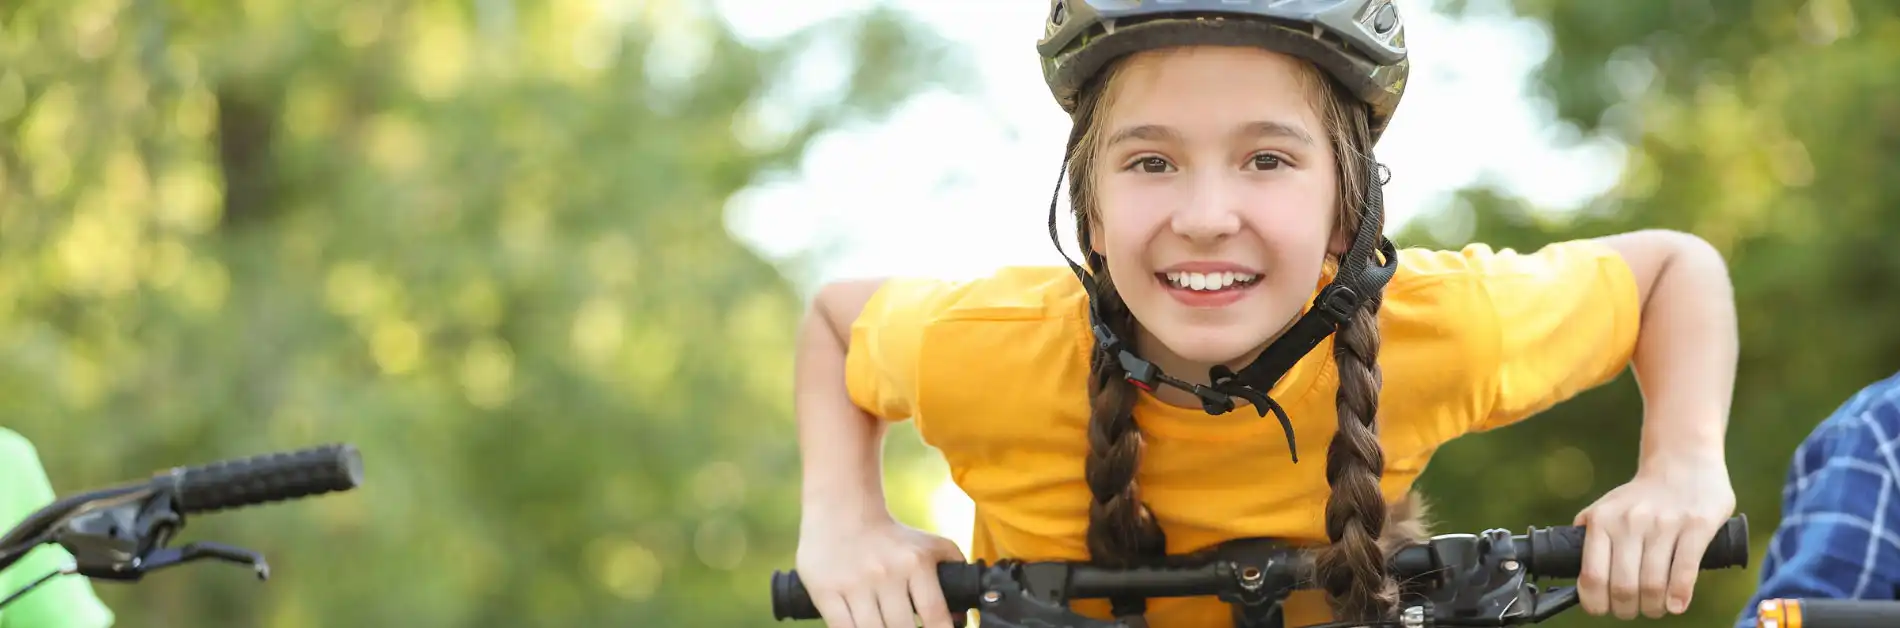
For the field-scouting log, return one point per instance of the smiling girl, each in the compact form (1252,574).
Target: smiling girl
(1237,294)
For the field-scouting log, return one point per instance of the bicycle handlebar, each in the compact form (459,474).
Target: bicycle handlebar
(119,533)
(1553,552)
(1826,613)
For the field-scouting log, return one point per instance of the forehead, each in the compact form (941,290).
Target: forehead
(1214,85)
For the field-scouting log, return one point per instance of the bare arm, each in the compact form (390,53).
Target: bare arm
(1686,353)
(861,568)
(840,442)
(1647,537)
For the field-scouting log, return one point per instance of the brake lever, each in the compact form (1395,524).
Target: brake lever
(1551,602)
(162,557)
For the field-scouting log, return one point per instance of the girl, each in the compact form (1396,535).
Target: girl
(1221,178)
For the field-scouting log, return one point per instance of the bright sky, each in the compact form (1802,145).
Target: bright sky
(958,184)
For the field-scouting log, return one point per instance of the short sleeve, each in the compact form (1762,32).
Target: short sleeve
(1564,319)
(63,602)
(881,364)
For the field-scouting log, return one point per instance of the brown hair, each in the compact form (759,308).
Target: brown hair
(1352,569)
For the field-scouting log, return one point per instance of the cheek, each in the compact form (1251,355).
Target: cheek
(1125,238)
(1293,227)
(1129,223)
(1130,219)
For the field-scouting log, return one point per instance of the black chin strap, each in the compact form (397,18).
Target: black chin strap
(1363,270)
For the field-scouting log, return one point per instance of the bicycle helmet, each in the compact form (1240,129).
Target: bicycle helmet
(1361,43)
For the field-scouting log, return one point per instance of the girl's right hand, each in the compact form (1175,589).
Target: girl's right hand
(880,574)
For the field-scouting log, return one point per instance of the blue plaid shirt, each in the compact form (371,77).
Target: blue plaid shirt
(1840,509)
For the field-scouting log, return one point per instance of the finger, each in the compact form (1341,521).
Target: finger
(1691,545)
(832,609)
(863,605)
(926,594)
(1626,564)
(893,602)
(1658,546)
(1593,576)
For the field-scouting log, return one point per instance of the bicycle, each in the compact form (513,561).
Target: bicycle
(120,533)
(1826,613)
(1450,580)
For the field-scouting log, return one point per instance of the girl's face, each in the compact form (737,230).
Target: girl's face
(1216,196)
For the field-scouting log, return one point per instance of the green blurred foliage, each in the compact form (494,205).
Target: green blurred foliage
(483,241)
(1762,126)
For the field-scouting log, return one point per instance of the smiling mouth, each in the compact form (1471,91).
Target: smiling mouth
(1208,282)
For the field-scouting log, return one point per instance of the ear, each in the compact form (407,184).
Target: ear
(1342,240)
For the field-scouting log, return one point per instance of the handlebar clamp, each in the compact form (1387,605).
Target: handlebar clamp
(1010,599)
(1481,577)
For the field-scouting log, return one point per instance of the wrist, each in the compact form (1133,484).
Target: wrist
(1674,430)
(1668,447)
(844,512)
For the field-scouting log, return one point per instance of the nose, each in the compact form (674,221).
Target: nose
(1209,215)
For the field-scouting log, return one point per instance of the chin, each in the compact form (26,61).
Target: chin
(1212,346)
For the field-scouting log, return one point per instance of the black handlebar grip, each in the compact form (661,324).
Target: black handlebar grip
(266,478)
(1729,548)
(962,584)
(1557,552)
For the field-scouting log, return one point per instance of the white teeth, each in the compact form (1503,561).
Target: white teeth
(1209,281)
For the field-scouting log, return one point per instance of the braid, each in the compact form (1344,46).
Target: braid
(1353,569)
(1122,531)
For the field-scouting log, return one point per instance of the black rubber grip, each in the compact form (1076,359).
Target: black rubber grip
(1557,552)
(962,585)
(1827,613)
(266,478)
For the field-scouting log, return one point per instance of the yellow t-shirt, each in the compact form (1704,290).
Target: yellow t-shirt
(994,372)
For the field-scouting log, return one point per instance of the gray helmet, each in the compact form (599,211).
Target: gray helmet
(1361,43)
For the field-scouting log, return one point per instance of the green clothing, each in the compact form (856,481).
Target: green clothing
(65,601)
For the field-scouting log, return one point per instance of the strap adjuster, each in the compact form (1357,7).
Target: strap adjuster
(1337,303)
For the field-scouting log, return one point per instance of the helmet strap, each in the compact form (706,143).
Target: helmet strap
(1364,270)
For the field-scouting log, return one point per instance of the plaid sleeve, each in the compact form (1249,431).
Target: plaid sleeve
(1840,523)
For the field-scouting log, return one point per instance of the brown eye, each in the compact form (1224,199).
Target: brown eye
(1154,165)
(1265,161)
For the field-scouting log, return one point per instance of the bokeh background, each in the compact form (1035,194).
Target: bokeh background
(542,261)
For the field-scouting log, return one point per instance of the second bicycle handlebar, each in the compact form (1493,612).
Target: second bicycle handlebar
(122,533)
(1826,613)
(204,488)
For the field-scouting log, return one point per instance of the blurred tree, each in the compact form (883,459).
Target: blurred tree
(481,240)
(1762,126)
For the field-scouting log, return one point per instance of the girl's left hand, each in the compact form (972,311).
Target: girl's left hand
(1645,540)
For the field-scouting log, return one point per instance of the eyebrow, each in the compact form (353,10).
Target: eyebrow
(1159,133)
